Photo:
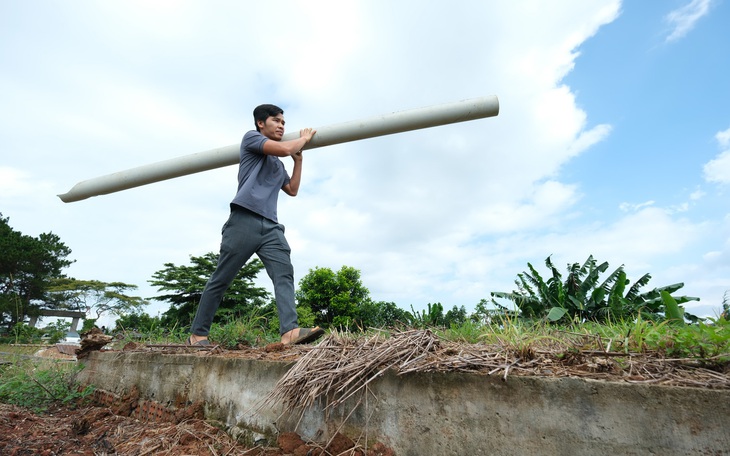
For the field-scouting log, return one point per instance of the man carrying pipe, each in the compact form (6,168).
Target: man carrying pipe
(387,124)
(253,227)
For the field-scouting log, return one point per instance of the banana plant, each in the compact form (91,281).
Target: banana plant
(672,311)
(583,296)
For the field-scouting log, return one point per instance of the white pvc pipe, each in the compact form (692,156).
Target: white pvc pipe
(397,122)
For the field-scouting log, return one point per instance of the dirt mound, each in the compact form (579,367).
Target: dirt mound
(94,430)
(97,430)
(54,353)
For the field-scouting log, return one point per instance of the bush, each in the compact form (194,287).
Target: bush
(38,384)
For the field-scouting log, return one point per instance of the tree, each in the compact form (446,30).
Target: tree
(335,298)
(27,266)
(455,317)
(185,285)
(487,312)
(136,321)
(93,295)
(583,296)
(381,314)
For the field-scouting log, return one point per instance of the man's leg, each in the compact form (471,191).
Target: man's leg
(276,256)
(241,237)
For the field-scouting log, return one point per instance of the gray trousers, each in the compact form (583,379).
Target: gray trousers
(244,234)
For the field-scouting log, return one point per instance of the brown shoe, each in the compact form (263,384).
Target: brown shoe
(307,335)
(201,343)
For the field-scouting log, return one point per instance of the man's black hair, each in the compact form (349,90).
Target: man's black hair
(263,112)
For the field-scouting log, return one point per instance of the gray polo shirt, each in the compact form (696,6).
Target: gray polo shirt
(260,177)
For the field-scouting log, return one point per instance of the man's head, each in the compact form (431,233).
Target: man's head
(263,112)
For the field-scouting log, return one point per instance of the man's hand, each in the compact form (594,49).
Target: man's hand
(289,148)
(292,188)
(307,133)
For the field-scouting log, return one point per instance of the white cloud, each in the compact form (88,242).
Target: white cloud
(697,194)
(683,20)
(445,214)
(634,207)
(717,170)
(723,138)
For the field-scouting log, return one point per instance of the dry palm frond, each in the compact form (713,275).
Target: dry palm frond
(340,368)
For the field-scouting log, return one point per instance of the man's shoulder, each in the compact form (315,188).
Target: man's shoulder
(253,141)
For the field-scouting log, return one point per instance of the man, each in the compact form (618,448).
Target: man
(253,227)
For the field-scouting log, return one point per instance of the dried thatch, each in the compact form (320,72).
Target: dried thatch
(341,367)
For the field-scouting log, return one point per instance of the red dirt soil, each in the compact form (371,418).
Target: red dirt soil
(98,429)
(94,430)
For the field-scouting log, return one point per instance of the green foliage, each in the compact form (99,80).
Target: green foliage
(305,317)
(88,324)
(455,317)
(137,321)
(27,265)
(141,327)
(184,286)
(250,331)
(23,334)
(509,330)
(335,298)
(487,312)
(469,332)
(708,342)
(56,330)
(37,385)
(381,314)
(155,335)
(433,317)
(583,296)
(673,312)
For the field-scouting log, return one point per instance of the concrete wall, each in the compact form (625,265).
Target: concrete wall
(439,413)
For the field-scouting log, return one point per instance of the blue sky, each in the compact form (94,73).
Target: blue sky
(613,137)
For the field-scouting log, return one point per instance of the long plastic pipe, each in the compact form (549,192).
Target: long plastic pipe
(397,122)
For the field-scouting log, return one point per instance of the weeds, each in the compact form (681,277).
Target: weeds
(468,332)
(703,340)
(251,331)
(37,384)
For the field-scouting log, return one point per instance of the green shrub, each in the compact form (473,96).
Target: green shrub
(252,330)
(37,384)
(23,334)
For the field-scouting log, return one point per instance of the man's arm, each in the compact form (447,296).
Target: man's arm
(291,147)
(292,188)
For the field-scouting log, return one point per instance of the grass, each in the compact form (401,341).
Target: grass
(705,340)
(254,330)
(38,383)
(710,340)
(19,349)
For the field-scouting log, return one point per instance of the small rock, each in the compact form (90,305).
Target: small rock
(289,441)
(275,347)
(340,443)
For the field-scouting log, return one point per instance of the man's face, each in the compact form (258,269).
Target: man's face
(273,127)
